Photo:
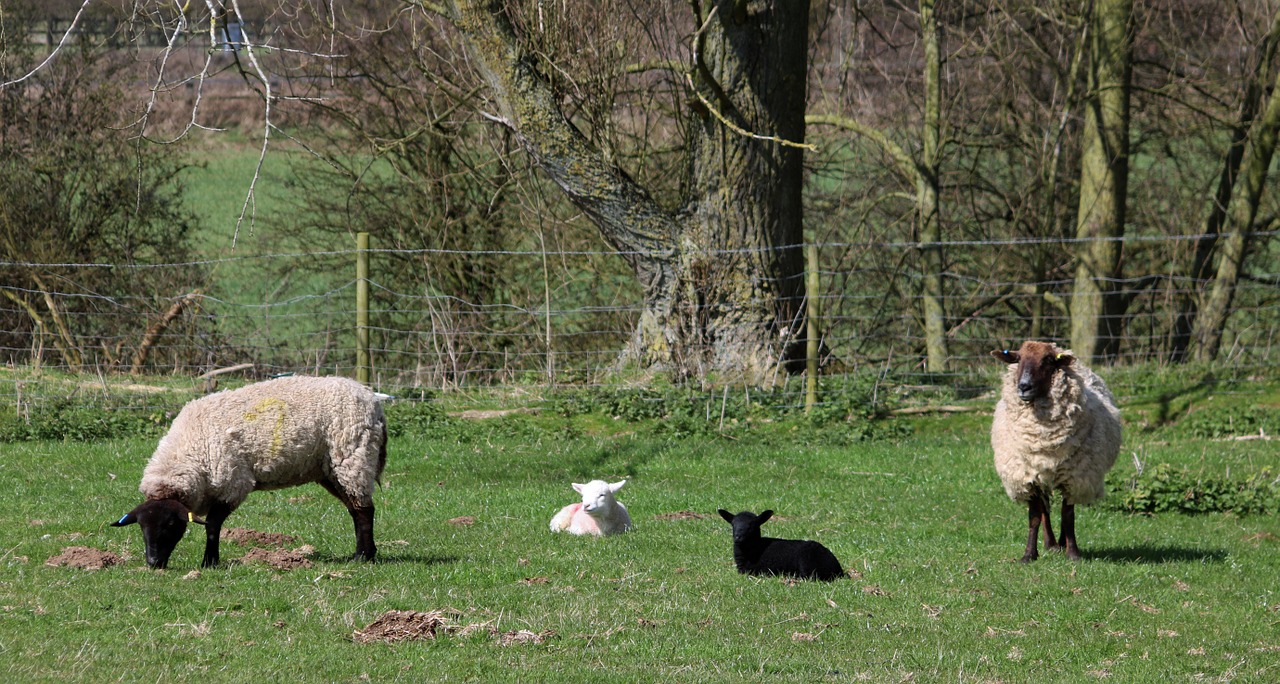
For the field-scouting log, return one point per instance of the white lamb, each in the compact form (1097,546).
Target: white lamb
(268,435)
(599,513)
(1056,427)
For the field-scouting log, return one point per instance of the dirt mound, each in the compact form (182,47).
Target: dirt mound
(84,558)
(403,625)
(681,515)
(246,537)
(282,559)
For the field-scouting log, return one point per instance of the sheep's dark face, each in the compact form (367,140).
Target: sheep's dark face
(746,525)
(163,523)
(1036,364)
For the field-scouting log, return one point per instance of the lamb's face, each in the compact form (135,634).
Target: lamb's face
(163,523)
(746,525)
(1037,362)
(597,495)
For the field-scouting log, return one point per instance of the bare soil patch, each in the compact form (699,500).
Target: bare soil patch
(84,558)
(462,520)
(247,537)
(281,559)
(682,515)
(404,625)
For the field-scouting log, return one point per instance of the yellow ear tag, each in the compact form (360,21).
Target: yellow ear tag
(1058,357)
(191,517)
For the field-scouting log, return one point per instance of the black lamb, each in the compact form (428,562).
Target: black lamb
(757,555)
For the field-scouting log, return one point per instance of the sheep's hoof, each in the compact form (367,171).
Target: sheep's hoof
(1029,557)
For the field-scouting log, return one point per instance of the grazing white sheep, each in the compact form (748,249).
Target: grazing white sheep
(1056,427)
(599,513)
(757,555)
(268,435)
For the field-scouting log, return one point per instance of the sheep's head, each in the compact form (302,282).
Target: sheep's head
(1036,364)
(597,495)
(163,522)
(746,525)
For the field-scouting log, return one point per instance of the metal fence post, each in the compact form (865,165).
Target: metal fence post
(362,307)
(811,330)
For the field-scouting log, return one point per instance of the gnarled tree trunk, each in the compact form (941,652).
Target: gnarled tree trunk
(723,274)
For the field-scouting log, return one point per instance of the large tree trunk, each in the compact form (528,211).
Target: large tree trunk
(1219,215)
(723,275)
(1260,149)
(935,315)
(1097,305)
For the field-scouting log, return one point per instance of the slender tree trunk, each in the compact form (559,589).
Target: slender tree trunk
(1259,150)
(723,275)
(935,316)
(1096,304)
(1202,264)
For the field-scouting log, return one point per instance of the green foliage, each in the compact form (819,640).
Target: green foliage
(1242,420)
(72,421)
(1165,488)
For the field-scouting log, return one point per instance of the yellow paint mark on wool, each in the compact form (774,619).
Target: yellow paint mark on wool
(267,409)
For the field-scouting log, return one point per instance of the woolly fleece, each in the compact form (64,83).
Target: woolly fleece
(269,435)
(1068,439)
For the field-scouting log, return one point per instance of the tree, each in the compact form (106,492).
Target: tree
(1097,304)
(1245,199)
(721,271)
(77,191)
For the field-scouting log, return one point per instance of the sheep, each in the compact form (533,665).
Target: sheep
(757,555)
(268,435)
(599,513)
(1056,427)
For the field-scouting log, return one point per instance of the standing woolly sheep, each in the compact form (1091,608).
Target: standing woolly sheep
(757,555)
(1056,427)
(599,513)
(269,435)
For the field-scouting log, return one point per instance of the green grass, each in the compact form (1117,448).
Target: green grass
(921,520)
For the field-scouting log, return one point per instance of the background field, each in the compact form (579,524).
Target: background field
(911,506)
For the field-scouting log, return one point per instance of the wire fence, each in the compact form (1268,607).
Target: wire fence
(296,312)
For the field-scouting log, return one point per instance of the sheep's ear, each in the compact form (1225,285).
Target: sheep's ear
(1063,360)
(616,486)
(725,514)
(191,518)
(760,519)
(577,487)
(128,519)
(1005,355)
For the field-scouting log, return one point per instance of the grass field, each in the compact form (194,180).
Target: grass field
(919,520)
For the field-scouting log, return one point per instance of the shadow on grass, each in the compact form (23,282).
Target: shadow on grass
(389,559)
(1156,554)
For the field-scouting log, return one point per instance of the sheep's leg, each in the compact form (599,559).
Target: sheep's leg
(218,513)
(1038,514)
(1046,509)
(1035,516)
(1069,531)
(362,516)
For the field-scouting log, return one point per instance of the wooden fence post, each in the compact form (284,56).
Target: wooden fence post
(362,307)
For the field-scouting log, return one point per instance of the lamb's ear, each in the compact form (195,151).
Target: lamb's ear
(128,519)
(760,519)
(1005,355)
(725,514)
(577,487)
(616,486)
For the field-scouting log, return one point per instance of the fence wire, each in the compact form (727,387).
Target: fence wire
(296,313)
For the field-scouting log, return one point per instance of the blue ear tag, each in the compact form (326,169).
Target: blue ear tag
(121,520)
